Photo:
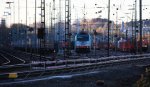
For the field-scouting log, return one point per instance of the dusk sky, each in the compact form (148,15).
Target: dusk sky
(77,10)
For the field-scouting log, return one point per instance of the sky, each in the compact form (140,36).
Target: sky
(78,8)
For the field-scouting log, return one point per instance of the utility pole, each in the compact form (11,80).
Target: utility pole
(43,19)
(26,24)
(117,30)
(41,30)
(9,13)
(132,28)
(108,26)
(141,26)
(59,27)
(14,12)
(67,29)
(26,48)
(84,20)
(36,45)
(50,24)
(18,26)
(53,27)
(9,7)
(135,25)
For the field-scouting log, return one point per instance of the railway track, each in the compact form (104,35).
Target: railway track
(75,65)
(4,60)
(84,61)
(10,59)
(81,60)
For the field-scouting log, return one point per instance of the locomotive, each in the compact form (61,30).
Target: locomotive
(83,42)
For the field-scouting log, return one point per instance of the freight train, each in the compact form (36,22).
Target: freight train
(131,45)
(124,45)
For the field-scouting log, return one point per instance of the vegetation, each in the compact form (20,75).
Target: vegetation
(144,81)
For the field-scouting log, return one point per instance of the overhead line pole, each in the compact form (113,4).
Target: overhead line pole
(53,23)
(18,26)
(132,27)
(108,26)
(67,50)
(59,29)
(135,25)
(9,3)
(140,2)
(42,29)
(26,24)
(36,45)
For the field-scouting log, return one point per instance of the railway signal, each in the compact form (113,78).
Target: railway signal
(41,33)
